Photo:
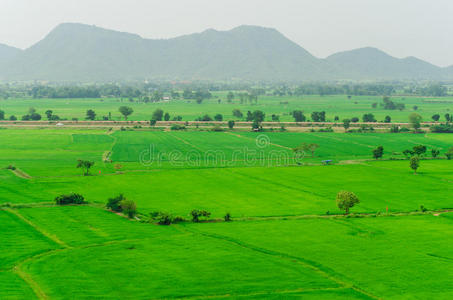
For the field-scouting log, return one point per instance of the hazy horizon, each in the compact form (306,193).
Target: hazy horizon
(407,28)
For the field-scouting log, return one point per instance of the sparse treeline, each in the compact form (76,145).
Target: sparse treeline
(153,92)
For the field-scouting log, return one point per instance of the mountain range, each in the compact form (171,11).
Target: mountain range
(86,53)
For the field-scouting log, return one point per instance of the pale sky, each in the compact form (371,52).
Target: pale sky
(421,28)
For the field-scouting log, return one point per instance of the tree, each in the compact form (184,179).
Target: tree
(70,199)
(249,116)
(408,153)
(218,117)
(237,113)
(435,117)
(354,120)
(12,118)
(90,115)
(152,122)
(85,165)
(449,153)
(419,150)
(166,116)
(305,147)
(388,119)
(368,118)
(317,116)
(230,97)
(129,208)
(258,116)
(49,114)
(346,200)
(114,203)
(2,115)
(414,163)
(205,118)
(346,124)
(378,152)
(298,116)
(231,124)
(35,116)
(197,214)
(256,126)
(158,114)
(126,111)
(415,120)
(435,153)
(448,117)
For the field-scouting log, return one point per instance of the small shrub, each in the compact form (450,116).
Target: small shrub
(11,167)
(72,198)
(114,203)
(129,208)
(177,127)
(227,217)
(217,128)
(197,214)
(164,219)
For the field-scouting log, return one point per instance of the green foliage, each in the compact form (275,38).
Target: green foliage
(435,153)
(346,124)
(346,200)
(378,152)
(114,203)
(126,111)
(414,163)
(128,207)
(197,215)
(442,128)
(390,105)
(218,117)
(68,199)
(449,153)
(85,165)
(317,116)
(415,120)
(237,113)
(158,114)
(217,128)
(420,150)
(90,115)
(298,116)
(368,118)
(306,147)
(177,127)
(231,124)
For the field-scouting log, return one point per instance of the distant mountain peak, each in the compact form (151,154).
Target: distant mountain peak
(81,52)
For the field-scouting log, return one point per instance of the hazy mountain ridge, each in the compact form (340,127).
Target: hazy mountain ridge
(7,54)
(78,52)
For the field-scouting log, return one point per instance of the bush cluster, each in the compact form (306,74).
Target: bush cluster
(72,198)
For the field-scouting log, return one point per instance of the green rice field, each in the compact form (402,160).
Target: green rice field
(189,110)
(287,238)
